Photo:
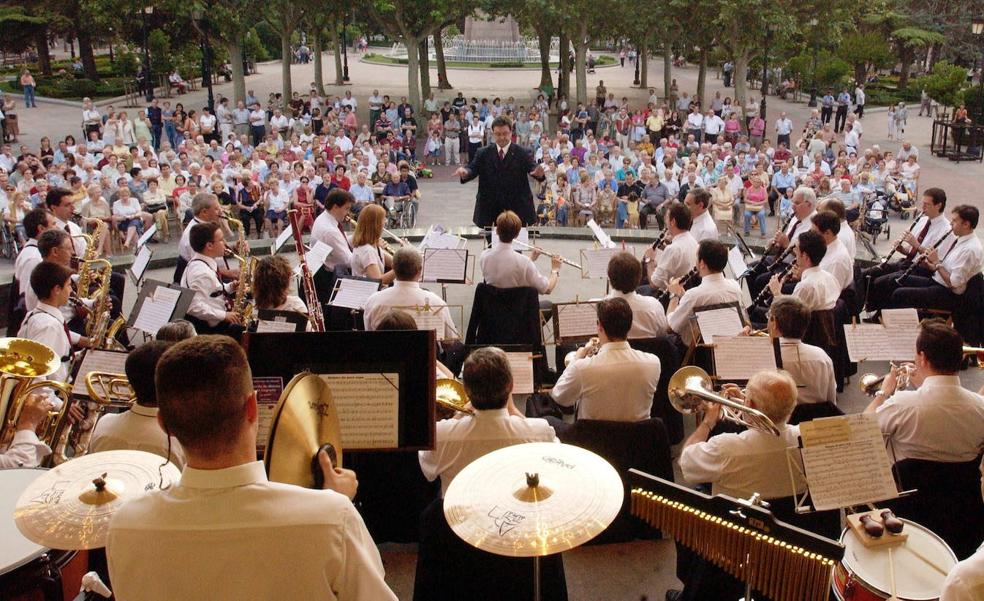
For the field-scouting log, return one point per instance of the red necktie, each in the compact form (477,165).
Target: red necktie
(344,237)
(68,334)
(502,154)
(923,232)
(792,230)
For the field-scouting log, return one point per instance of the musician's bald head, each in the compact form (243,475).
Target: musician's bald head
(507,226)
(774,394)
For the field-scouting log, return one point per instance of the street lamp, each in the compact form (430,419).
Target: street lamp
(769,29)
(148,80)
(202,25)
(816,50)
(977,27)
(637,81)
(345,71)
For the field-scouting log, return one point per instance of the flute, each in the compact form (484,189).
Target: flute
(386,232)
(544,252)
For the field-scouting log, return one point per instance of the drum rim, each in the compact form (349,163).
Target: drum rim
(12,567)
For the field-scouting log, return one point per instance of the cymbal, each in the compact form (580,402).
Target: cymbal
(69,507)
(533,499)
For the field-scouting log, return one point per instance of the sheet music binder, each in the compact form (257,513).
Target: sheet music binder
(148,289)
(559,337)
(464,276)
(299,320)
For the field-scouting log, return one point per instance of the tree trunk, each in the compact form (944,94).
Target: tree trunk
(86,54)
(442,69)
(319,68)
(413,71)
(235,49)
(580,61)
(425,78)
(336,49)
(286,56)
(741,79)
(860,73)
(543,37)
(643,58)
(908,57)
(702,78)
(44,53)
(667,71)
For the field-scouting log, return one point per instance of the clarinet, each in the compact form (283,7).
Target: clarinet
(664,295)
(919,259)
(307,280)
(761,266)
(782,257)
(898,244)
(766,292)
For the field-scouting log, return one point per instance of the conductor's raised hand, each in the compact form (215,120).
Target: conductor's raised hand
(537,171)
(337,479)
(462,172)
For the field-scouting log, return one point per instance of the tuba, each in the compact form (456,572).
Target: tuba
(105,390)
(690,386)
(451,398)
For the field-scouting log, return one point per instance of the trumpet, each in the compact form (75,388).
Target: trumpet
(870,383)
(690,386)
(759,333)
(593,346)
(551,255)
(451,398)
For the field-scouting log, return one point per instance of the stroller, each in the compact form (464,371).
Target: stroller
(899,196)
(874,216)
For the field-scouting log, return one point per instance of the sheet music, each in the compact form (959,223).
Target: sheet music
(277,324)
(445,264)
(736,261)
(428,318)
(437,237)
(603,238)
(368,408)
(282,239)
(521,365)
(315,257)
(594,262)
(268,390)
(97,360)
(846,462)
(900,318)
(576,320)
(725,321)
(140,262)
(523,236)
(741,357)
(156,310)
(874,342)
(353,294)
(147,235)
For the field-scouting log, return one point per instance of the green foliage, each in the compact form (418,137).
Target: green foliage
(253,48)
(161,59)
(865,50)
(268,38)
(18,28)
(944,83)
(971,98)
(831,70)
(916,37)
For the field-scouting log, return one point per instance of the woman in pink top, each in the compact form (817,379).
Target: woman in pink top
(756,198)
(756,131)
(732,129)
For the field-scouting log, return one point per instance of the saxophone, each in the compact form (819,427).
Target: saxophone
(242,304)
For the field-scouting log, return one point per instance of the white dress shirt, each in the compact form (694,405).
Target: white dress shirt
(73,230)
(325,229)
(648,315)
(679,257)
(817,289)
(136,430)
(461,441)
(714,288)
(940,421)
(838,263)
(25,450)
(811,368)
(46,325)
(265,540)
(704,228)
(746,463)
(795,227)
(406,294)
(962,260)
(615,385)
(364,256)
(939,226)
(184,244)
(847,237)
(965,581)
(503,267)
(202,276)
(27,259)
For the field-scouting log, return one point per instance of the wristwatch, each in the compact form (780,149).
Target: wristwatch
(555,271)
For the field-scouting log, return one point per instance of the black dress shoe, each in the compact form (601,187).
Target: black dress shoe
(674,595)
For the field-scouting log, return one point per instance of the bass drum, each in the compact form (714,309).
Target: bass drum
(865,575)
(28,571)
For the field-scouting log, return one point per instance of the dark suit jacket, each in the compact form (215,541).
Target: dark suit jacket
(502,185)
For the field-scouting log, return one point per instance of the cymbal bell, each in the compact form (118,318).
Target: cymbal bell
(69,506)
(533,499)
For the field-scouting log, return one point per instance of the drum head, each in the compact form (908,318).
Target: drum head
(915,580)
(15,550)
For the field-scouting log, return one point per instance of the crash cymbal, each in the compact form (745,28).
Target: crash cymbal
(69,507)
(533,499)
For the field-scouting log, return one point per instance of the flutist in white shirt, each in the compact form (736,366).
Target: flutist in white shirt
(714,288)
(208,307)
(680,256)
(503,267)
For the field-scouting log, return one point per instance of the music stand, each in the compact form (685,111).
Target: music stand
(141,261)
(280,321)
(157,304)
(575,322)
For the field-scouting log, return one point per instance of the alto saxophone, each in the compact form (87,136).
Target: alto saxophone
(242,304)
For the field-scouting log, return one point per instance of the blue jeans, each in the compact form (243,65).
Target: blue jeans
(561,215)
(29,97)
(761,218)
(171,133)
(621,215)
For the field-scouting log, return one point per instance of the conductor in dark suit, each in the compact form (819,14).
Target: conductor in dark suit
(502,168)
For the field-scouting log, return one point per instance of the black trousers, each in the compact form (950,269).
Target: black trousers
(924,293)
(826,113)
(645,211)
(840,119)
(223,328)
(878,290)
(859,110)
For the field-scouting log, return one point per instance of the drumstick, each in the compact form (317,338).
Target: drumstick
(926,560)
(891,576)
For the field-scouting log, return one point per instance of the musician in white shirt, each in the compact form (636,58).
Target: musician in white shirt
(406,292)
(617,383)
(328,228)
(714,288)
(35,223)
(703,226)
(648,315)
(965,582)
(804,203)
(940,420)
(503,267)
(961,260)
(680,256)
(835,261)
(223,503)
(208,307)
(138,429)
(817,289)
(62,206)
(206,209)
(52,284)
(25,449)
(846,233)
(809,365)
(496,423)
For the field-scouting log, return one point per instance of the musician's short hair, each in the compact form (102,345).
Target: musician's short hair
(34,220)
(790,315)
(811,243)
(407,264)
(714,254)
(937,196)
(807,195)
(701,197)
(205,414)
(201,234)
(55,196)
(680,216)
(271,279)
(941,344)
(835,206)
(140,366)
(487,378)
(968,213)
(176,331)
(49,240)
(338,197)
(827,221)
(502,120)
(46,276)
(507,226)
(624,272)
(774,394)
(202,201)
(395,319)
(615,317)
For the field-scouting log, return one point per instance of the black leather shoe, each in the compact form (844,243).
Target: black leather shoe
(674,595)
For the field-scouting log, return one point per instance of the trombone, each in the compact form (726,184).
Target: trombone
(552,255)
(690,386)
(451,398)
(870,383)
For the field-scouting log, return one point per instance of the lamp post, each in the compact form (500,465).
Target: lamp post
(148,80)
(977,27)
(765,67)
(816,50)
(345,71)
(202,25)
(637,81)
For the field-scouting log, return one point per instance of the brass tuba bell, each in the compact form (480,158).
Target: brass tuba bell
(451,398)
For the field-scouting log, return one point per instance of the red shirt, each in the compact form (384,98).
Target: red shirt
(342,182)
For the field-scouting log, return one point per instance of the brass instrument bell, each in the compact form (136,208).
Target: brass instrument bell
(690,386)
(451,398)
